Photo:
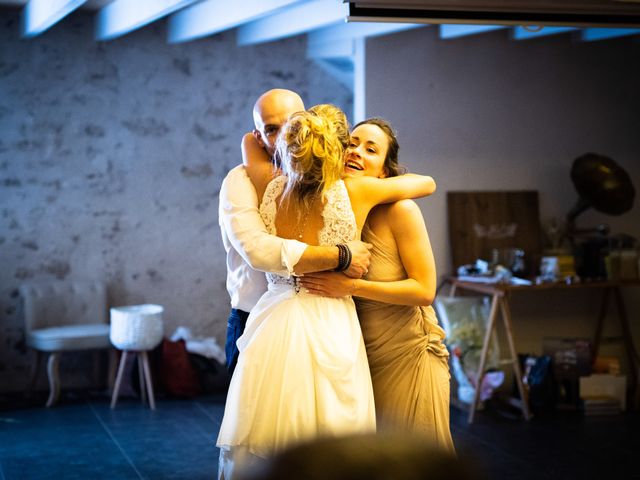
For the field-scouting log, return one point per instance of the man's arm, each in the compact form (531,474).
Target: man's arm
(241,220)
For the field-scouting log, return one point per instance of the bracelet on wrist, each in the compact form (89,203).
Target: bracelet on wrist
(344,257)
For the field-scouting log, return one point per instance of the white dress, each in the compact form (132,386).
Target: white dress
(302,371)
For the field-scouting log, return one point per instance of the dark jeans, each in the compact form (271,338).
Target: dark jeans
(235,326)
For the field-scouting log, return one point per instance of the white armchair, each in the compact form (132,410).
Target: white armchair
(64,316)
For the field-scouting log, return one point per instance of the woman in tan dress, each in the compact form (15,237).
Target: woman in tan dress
(407,356)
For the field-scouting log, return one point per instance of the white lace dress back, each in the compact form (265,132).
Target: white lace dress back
(302,371)
(339,221)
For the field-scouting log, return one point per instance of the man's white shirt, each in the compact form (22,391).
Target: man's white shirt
(251,250)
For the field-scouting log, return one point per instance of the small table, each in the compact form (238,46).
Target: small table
(500,293)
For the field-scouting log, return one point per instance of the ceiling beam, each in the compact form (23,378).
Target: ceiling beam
(455,31)
(39,15)
(214,16)
(123,16)
(592,34)
(293,21)
(525,33)
(350,31)
(341,47)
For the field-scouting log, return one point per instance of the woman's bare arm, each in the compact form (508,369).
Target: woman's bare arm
(257,163)
(367,192)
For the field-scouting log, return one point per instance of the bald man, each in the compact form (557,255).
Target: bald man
(251,250)
(270,112)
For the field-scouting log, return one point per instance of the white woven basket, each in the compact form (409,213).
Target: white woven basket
(136,327)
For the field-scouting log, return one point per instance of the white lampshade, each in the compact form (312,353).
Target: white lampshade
(136,327)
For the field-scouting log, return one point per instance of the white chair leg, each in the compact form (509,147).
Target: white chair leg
(34,371)
(54,380)
(147,371)
(143,388)
(112,369)
(116,389)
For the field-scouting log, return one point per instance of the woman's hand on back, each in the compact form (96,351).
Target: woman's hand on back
(328,284)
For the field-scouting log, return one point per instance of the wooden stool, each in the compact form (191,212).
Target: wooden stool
(136,329)
(144,373)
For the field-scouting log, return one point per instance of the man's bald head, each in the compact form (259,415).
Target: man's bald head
(271,112)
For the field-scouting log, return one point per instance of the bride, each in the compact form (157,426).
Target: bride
(302,371)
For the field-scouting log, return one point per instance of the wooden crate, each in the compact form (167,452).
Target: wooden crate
(482,221)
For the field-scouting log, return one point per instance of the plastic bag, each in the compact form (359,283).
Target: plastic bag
(464,319)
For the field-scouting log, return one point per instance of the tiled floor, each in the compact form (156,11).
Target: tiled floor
(82,438)
(85,439)
(562,445)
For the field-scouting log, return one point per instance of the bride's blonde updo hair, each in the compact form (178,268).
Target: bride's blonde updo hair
(311,148)
(337,118)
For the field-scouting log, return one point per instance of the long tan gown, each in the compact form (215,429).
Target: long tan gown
(407,356)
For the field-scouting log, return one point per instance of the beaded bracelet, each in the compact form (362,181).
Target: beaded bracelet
(341,258)
(344,257)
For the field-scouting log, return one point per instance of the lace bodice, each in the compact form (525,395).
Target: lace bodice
(339,221)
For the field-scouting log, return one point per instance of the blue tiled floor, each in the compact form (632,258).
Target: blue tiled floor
(82,438)
(87,440)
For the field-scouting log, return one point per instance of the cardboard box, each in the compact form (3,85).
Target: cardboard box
(604,385)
